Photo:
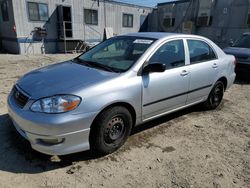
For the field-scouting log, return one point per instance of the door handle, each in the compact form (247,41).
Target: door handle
(215,65)
(184,73)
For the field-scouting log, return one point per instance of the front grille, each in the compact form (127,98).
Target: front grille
(20,98)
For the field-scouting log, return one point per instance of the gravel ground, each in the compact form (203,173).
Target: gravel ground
(191,148)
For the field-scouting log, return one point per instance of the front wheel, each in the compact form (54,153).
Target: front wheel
(110,130)
(215,97)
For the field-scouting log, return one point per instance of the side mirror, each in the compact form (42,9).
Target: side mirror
(154,67)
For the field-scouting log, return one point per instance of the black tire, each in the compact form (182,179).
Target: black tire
(215,97)
(110,130)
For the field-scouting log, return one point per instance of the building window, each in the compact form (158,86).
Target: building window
(91,16)
(4,10)
(168,21)
(38,11)
(204,20)
(127,20)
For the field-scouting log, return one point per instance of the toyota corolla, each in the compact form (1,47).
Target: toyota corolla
(95,100)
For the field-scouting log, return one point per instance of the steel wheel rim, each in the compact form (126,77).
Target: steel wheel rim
(114,130)
(217,95)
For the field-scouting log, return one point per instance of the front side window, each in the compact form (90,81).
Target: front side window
(200,51)
(38,11)
(4,10)
(127,20)
(171,54)
(117,54)
(91,16)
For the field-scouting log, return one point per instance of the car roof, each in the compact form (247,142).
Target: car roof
(154,35)
(247,33)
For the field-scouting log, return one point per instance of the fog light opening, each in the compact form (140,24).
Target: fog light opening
(51,142)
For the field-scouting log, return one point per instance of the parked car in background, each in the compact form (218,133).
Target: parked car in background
(241,50)
(95,100)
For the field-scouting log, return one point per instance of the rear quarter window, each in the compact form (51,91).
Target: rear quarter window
(200,51)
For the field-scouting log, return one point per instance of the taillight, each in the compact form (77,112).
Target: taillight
(235,62)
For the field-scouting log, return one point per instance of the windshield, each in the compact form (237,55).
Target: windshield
(117,54)
(243,42)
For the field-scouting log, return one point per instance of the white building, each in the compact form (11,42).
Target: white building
(52,26)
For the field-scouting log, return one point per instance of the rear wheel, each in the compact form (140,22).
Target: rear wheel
(110,130)
(215,97)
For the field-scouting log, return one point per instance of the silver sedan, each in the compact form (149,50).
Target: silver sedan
(95,100)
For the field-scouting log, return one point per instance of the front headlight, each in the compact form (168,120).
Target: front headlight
(56,104)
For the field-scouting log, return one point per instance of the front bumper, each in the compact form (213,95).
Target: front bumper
(72,129)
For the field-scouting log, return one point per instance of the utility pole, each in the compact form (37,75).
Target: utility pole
(104,4)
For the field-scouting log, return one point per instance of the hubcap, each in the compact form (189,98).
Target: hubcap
(114,130)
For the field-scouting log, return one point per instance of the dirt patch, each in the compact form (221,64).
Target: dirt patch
(190,148)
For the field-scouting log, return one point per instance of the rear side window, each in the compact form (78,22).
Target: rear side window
(171,54)
(200,51)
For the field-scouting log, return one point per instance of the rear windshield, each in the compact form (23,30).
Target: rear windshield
(243,42)
(118,53)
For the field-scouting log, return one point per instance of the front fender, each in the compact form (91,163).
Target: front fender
(123,90)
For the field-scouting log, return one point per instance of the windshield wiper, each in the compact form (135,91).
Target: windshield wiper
(102,66)
(82,62)
(97,65)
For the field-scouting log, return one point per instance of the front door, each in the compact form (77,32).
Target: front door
(163,92)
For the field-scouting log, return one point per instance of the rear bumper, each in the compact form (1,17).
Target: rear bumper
(231,80)
(243,69)
(70,130)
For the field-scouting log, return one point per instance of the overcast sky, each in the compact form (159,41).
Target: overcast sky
(149,3)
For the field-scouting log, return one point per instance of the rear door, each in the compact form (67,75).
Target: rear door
(167,90)
(203,69)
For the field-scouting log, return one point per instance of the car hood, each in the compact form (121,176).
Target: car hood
(62,78)
(238,52)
